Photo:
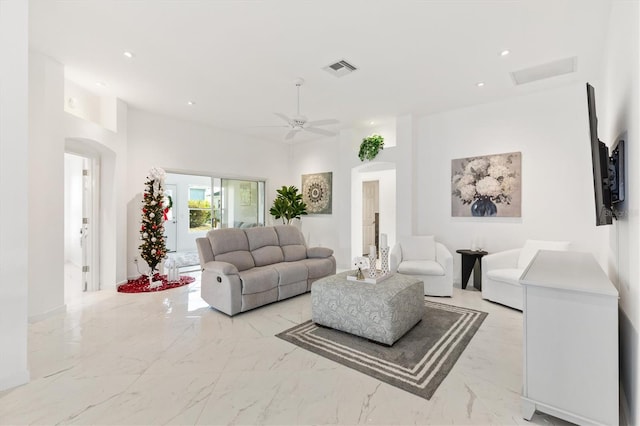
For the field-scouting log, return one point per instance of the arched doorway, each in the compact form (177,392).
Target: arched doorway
(373,187)
(89,213)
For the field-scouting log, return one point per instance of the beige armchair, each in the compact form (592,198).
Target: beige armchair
(423,257)
(501,271)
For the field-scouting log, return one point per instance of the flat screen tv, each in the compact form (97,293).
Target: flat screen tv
(608,172)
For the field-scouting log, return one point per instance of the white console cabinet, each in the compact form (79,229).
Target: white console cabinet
(570,339)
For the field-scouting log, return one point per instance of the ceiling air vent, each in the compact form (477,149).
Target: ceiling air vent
(548,70)
(340,68)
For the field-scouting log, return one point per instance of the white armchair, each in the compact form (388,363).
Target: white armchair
(423,257)
(501,271)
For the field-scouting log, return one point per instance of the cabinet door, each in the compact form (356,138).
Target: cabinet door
(571,352)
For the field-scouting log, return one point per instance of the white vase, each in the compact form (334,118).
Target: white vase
(384,260)
(372,263)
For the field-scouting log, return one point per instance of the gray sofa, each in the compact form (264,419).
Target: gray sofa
(243,269)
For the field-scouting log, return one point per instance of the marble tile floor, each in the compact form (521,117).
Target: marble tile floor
(167,358)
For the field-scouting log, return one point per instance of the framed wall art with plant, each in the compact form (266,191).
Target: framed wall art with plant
(489,185)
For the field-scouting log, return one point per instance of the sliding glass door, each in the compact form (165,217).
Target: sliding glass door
(242,203)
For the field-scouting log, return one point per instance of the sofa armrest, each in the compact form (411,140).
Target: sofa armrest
(445,259)
(319,252)
(220,287)
(395,257)
(222,268)
(502,260)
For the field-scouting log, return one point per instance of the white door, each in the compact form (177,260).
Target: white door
(170,225)
(89,230)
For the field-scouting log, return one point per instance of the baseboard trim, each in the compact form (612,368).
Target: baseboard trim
(14,380)
(39,317)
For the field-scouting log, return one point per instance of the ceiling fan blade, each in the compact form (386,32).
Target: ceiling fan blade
(279,126)
(320,131)
(291,134)
(323,122)
(284,117)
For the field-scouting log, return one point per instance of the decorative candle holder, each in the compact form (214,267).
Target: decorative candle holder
(384,260)
(372,264)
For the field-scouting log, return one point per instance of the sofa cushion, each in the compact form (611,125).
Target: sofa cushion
(292,243)
(263,243)
(418,248)
(531,247)
(420,267)
(291,272)
(258,279)
(231,245)
(511,275)
(260,237)
(227,240)
(240,259)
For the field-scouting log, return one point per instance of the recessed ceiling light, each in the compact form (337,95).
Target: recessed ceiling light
(504,53)
(128,54)
(480,84)
(101,84)
(191,103)
(372,122)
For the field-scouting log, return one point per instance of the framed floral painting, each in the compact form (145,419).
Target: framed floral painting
(317,192)
(490,185)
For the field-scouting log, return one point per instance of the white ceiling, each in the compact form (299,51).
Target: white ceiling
(238,60)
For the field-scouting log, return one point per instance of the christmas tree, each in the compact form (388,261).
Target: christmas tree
(153,248)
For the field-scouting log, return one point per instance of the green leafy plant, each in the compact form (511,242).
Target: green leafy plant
(288,205)
(199,218)
(370,147)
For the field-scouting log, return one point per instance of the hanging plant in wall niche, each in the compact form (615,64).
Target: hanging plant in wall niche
(370,147)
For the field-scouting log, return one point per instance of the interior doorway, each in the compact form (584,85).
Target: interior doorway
(370,215)
(81,176)
(363,199)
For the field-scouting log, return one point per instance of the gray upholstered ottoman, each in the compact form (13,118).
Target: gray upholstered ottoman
(383,312)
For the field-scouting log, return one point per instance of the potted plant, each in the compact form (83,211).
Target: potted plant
(370,147)
(288,205)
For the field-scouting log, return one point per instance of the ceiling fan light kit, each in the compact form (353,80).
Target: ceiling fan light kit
(299,122)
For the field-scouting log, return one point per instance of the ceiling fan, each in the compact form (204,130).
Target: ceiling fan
(299,122)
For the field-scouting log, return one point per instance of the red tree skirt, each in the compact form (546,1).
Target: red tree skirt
(141,285)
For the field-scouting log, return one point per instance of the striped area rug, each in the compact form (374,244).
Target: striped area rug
(417,363)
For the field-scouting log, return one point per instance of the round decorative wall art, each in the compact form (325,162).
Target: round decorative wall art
(316,192)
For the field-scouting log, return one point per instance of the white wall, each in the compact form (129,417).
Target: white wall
(46,186)
(73,166)
(318,157)
(89,106)
(620,115)
(340,156)
(550,130)
(51,132)
(186,147)
(91,140)
(13,182)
